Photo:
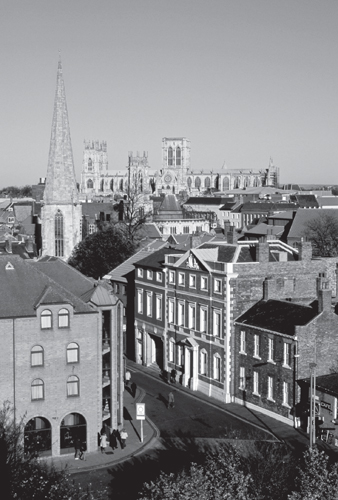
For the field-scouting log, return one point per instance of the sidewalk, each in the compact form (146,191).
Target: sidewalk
(97,460)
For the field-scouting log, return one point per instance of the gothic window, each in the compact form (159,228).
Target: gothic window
(216,183)
(90,164)
(59,250)
(121,185)
(170,155)
(178,155)
(207,182)
(90,184)
(112,185)
(102,185)
(226,184)
(197,183)
(189,182)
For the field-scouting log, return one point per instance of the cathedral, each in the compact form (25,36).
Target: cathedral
(61,213)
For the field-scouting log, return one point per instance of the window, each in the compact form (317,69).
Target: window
(242,378)
(181,278)
(204,358)
(149,304)
(170,156)
(256,346)
(173,230)
(117,288)
(271,348)
(63,318)
(37,356)
(159,276)
(124,290)
(270,387)
(178,155)
(192,316)
(243,343)
(11,220)
(149,275)
(204,283)
(37,389)
(91,229)
(180,360)
(90,184)
(72,353)
(171,350)
(46,319)
(203,319)
(217,286)
(192,281)
(181,313)
(58,228)
(217,367)
(286,393)
(287,354)
(140,301)
(172,277)
(216,323)
(140,273)
(186,230)
(171,311)
(158,306)
(255,383)
(73,386)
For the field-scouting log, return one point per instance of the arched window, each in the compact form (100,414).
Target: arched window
(63,317)
(37,389)
(59,234)
(189,182)
(90,164)
(226,184)
(197,183)
(46,319)
(203,362)
(73,353)
(207,182)
(178,156)
(38,435)
(121,185)
(217,367)
(112,185)
(72,425)
(37,356)
(90,184)
(102,185)
(73,386)
(170,155)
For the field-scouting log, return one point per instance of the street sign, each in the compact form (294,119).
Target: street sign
(140,411)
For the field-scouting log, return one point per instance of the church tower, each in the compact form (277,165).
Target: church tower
(61,212)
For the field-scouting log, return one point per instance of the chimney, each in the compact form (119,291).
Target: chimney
(9,245)
(195,240)
(305,250)
(324,293)
(269,235)
(232,235)
(29,246)
(262,252)
(269,288)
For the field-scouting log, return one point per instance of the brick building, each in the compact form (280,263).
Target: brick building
(61,366)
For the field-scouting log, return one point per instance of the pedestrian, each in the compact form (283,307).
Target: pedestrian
(133,389)
(171,400)
(103,442)
(127,378)
(123,435)
(113,440)
(78,449)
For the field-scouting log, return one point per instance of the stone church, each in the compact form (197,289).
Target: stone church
(61,213)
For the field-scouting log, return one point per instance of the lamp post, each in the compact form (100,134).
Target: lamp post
(312,404)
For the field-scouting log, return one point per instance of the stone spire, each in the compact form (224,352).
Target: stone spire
(60,181)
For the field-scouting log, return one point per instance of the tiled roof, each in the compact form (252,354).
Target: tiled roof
(264,229)
(23,212)
(119,273)
(265,206)
(23,286)
(272,314)
(156,259)
(149,230)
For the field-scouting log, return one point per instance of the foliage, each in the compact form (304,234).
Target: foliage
(25,477)
(16,192)
(101,252)
(322,231)
(134,214)
(317,479)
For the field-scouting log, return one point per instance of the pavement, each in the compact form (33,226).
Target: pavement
(295,438)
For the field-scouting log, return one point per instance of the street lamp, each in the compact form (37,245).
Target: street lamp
(312,404)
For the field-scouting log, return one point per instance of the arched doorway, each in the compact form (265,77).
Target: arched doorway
(38,436)
(155,354)
(72,426)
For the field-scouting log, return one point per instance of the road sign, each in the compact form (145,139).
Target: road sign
(140,411)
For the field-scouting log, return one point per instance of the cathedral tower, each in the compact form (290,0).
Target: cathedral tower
(61,212)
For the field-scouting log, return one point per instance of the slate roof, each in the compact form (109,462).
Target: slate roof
(246,251)
(277,316)
(264,229)
(170,203)
(305,200)
(149,230)
(206,200)
(156,259)
(265,206)
(92,209)
(328,383)
(23,287)
(327,201)
(304,215)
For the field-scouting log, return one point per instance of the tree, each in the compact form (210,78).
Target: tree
(133,214)
(322,231)
(101,252)
(17,192)
(23,477)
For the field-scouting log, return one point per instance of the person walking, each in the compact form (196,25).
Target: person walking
(103,442)
(123,435)
(113,440)
(127,378)
(171,400)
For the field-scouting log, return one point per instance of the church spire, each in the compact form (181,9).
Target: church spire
(60,182)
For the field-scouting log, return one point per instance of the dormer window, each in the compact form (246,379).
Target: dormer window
(46,319)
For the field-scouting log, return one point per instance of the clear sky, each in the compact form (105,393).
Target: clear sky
(242,79)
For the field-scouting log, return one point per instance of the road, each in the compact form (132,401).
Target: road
(187,432)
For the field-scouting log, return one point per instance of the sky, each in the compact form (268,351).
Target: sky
(244,80)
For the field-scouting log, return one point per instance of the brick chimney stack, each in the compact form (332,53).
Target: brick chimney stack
(269,288)
(232,235)
(324,293)
(305,250)
(262,252)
